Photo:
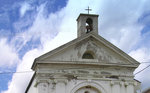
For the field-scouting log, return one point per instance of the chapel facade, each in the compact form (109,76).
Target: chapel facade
(88,64)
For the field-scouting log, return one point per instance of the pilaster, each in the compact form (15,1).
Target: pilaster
(130,87)
(61,85)
(42,86)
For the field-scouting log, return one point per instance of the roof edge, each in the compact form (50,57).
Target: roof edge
(26,91)
(82,14)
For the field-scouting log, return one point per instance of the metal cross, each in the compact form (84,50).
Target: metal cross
(88,9)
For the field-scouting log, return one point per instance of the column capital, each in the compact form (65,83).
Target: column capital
(115,83)
(41,81)
(61,81)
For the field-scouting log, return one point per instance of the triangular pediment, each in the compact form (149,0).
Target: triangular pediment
(103,52)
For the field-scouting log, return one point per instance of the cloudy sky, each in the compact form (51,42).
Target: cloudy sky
(30,28)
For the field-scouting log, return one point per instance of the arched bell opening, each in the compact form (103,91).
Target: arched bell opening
(89,25)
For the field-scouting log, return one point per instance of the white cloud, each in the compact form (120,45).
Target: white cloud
(20,80)
(119,22)
(45,29)
(24,8)
(141,54)
(8,56)
(141,74)
(42,28)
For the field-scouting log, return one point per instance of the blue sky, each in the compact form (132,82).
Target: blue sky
(30,28)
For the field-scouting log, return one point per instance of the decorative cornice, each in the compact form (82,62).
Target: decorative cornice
(87,63)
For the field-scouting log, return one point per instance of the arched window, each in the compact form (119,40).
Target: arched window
(89,25)
(87,55)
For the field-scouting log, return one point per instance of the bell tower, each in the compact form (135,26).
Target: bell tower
(87,23)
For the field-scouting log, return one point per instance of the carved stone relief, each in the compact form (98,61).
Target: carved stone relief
(102,53)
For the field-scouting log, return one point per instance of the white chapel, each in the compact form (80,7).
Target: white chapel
(88,64)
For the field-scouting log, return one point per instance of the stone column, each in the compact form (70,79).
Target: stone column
(42,87)
(52,86)
(130,87)
(123,88)
(116,87)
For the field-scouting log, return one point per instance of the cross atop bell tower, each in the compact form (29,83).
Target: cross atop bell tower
(87,23)
(88,9)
